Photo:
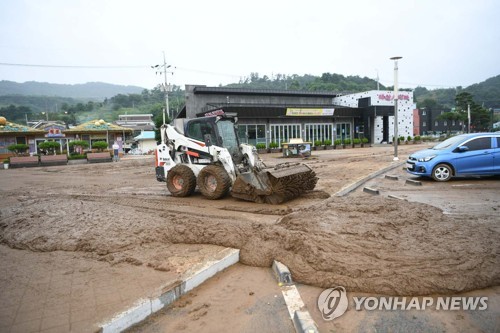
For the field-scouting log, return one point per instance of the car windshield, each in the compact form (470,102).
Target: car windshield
(448,143)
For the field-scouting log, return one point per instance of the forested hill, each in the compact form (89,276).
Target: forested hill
(325,82)
(90,90)
(486,93)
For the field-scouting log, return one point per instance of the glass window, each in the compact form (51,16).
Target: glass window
(228,136)
(343,131)
(197,130)
(424,124)
(21,140)
(436,123)
(478,144)
(242,133)
(261,133)
(283,133)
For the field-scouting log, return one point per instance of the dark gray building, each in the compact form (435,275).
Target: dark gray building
(431,125)
(267,116)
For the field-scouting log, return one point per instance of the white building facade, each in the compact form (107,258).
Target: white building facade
(380,118)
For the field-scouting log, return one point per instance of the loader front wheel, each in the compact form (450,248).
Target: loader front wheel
(214,182)
(181,181)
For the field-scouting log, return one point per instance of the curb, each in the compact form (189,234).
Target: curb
(282,273)
(348,189)
(391,177)
(145,307)
(371,190)
(302,320)
(413,182)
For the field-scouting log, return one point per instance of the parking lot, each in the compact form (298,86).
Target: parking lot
(113,222)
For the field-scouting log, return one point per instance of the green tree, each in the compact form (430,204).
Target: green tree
(100,145)
(18,149)
(50,146)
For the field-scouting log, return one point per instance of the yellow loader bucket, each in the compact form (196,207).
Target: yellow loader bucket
(275,185)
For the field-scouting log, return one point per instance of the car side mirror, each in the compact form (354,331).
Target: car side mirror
(462,149)
(208,140)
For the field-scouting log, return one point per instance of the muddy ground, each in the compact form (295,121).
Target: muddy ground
(118,212)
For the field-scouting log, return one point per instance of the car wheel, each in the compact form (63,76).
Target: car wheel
(442,173)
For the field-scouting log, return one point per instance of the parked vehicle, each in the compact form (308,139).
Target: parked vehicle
(474,154)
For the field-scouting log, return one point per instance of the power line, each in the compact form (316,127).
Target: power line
(71,66)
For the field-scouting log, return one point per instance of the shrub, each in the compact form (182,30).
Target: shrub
(337,142)
(273,145)
(74,156)
(416,138)
(347,141)
(408,138)
(100,145)
(364,140)
(260,146)
(318,143)
(401,139)
(356,141)
(19,148)
(328,142)
(50,146)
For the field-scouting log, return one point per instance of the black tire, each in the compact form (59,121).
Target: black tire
(442,173)
(181,181)
(214,182)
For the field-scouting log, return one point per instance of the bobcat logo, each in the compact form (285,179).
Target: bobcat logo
(332,303)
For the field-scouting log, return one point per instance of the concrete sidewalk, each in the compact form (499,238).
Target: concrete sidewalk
(69,292)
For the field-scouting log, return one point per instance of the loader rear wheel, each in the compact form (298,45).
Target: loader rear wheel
(214,182)
(181,181)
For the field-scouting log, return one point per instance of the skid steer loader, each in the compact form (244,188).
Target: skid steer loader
(206,152)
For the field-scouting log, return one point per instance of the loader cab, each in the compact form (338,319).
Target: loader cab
(216,131)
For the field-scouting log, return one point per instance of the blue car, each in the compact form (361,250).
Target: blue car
(474,154)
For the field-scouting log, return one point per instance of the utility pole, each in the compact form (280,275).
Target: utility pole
(166,86)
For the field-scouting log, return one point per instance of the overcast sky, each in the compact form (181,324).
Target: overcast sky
(443,43)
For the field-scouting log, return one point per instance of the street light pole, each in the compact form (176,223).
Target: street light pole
(395,140)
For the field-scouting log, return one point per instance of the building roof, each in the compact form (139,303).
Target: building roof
(274,92)
(95,126)
(8,128)
(146,135)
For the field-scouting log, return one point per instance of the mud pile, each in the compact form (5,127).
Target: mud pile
(364,244)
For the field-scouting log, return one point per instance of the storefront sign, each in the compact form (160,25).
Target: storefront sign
(390,97)
(297,112)
(218,112)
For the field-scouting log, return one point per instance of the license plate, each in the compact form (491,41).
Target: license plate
(409,166)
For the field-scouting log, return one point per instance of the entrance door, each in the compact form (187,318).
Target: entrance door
(385,129)
(343,131)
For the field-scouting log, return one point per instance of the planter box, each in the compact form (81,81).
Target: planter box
(23,161)
(99,157)
(53,160)
(262,151)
